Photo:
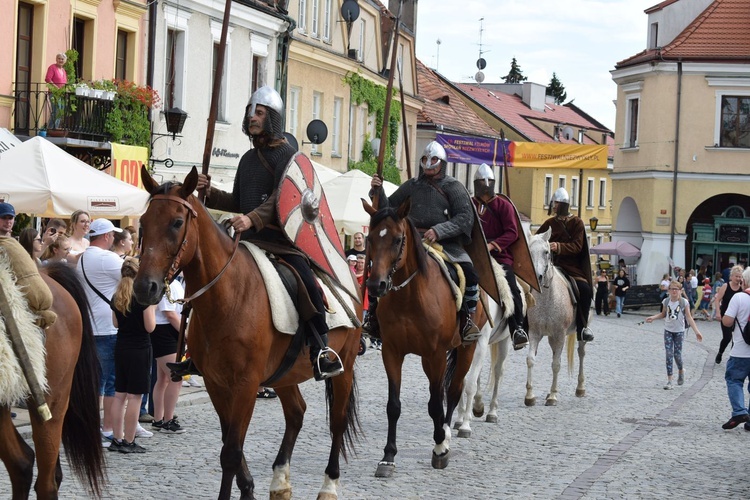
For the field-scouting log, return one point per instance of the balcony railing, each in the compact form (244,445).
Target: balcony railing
(61,114)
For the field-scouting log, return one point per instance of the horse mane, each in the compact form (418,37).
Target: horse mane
(391,213)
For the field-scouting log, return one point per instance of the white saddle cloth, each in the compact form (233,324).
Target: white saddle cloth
(285,315)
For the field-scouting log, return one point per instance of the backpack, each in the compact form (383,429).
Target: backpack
(685,306)
(746,330)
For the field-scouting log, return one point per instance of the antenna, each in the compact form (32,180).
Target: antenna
(437,63)
(481,63)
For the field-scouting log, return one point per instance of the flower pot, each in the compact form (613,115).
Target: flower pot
(96,94)
(57,132)
(42,133)
(110,95)
(82,91)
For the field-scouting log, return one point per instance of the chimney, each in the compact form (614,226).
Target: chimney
(534,95)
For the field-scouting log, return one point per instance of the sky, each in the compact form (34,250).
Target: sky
(579,40)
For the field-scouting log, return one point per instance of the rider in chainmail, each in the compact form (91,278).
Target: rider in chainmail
(254,194)
(441,209)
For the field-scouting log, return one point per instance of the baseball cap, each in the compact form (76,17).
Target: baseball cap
(102,226)
(7,209)
(352,257)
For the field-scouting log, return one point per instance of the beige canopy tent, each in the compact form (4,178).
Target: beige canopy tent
(42,179)
(344,195)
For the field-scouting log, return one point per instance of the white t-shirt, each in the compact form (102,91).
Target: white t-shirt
(177,292)
(694,282)
(674,321)
(103,271)
(665,284)
(739,308)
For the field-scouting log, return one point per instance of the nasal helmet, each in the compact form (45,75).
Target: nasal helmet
(484,181)
(268,97)
(562,198)
(433,156)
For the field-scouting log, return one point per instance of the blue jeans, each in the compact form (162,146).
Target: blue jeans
(738,370)
(619,302)
(105,350)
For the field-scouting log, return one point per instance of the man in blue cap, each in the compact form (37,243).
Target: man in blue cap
(7,218)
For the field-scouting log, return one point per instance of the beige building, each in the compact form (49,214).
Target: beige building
(682,160)
(325,49)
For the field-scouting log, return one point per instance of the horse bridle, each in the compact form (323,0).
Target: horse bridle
(174,268)
(545,280)
(389,279)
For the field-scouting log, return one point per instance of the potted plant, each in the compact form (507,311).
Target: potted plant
(42,132)
(82,89)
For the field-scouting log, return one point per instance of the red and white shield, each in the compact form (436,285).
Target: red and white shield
(306,219)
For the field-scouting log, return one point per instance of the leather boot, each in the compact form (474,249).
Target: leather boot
(323,366)
(585,335)
(520,338)
(469,331)
(371,327)
(182,368)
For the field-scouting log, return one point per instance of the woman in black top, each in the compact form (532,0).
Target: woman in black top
(134,324)
(622,283)
(722,297)
(602,293)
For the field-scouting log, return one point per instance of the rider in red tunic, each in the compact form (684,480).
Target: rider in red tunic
(498,218)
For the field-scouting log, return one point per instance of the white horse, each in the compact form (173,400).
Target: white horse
(553,316)
(497,339)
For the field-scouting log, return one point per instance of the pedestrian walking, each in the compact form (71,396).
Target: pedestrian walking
(738,364)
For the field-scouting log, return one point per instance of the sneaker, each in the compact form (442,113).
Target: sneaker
(520,339)
(681,378)
(747,426)
(669,386)
(171,427)
(735,421)
(185,383)
(192,382)
(145,418)
(156,425)
(140,432)
(133,447)
(718,359)
(324,367)
(106,443)
(116,445)
(618,315)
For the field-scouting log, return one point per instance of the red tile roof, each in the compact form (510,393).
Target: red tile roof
(720,33)
(443,107)
(511,109)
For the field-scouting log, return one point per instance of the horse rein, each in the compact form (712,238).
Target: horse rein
(389,283)
(175,266)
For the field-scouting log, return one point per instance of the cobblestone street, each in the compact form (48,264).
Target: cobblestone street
(628,438)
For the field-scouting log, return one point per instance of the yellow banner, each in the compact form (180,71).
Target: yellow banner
(127,162)
(546,155)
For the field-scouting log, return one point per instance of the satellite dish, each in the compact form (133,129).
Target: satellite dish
(568,133)
(350,11)
(481,63)
(291,140)
(317,132)
(479,77)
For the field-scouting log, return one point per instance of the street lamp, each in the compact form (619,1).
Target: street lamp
(175,118)
(593,222)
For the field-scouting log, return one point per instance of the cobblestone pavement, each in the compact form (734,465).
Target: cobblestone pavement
(627,438)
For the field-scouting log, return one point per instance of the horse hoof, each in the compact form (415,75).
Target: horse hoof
(327,496)
(550,402)
(492,419)
(385,469)
(440,462)
(285,494)
(464,433)
(580,393)
(529,401)
(478,411)
(457,424)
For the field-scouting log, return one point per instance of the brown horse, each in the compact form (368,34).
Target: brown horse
(417,315)
(232,339)
(73,378)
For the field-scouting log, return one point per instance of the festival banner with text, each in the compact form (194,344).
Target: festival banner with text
(127,162)
(478,150)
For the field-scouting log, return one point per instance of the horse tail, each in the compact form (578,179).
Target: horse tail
(571,344)
(352,425)
(450,370)
(80,433)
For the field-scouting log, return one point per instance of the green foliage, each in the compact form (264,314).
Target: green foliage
(557,90)
(364,91)
(128,121)
(70,64)
(515,75)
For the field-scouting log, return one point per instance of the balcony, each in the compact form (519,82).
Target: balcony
(61,114)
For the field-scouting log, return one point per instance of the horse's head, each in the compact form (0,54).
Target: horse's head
(165,246)
(387,242)
(541,255)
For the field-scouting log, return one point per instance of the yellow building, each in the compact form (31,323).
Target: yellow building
(682,159)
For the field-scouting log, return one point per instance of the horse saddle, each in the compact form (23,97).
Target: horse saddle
(454,274)
(35,290)
(572,286)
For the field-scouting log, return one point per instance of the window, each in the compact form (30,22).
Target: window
(315,18)
(653,41)
(561,182)
(327,21)
(602,193)
(352,147)
(590,193)
(547,190)
(221,115)
(338,104)
(361,52)
(599,239)
(361,129)
(735,122)
(302,17)
(574,192)
(121,55)
(174,70)
(316,106)
(293,120)
(631,122)
(257,76)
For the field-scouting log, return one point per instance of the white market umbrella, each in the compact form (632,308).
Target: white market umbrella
(344,195)
(324,173)
(41,178)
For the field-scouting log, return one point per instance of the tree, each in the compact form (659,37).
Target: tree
(557,90)
(515,75)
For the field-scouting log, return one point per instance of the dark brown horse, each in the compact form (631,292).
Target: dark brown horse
(417,315)
(232,339)
(73,378)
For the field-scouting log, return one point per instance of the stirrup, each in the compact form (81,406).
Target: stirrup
(520,339)
(586,335)
(324,367)
(470,332)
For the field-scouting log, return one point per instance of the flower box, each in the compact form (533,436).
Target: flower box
(96,93)
(82,91)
